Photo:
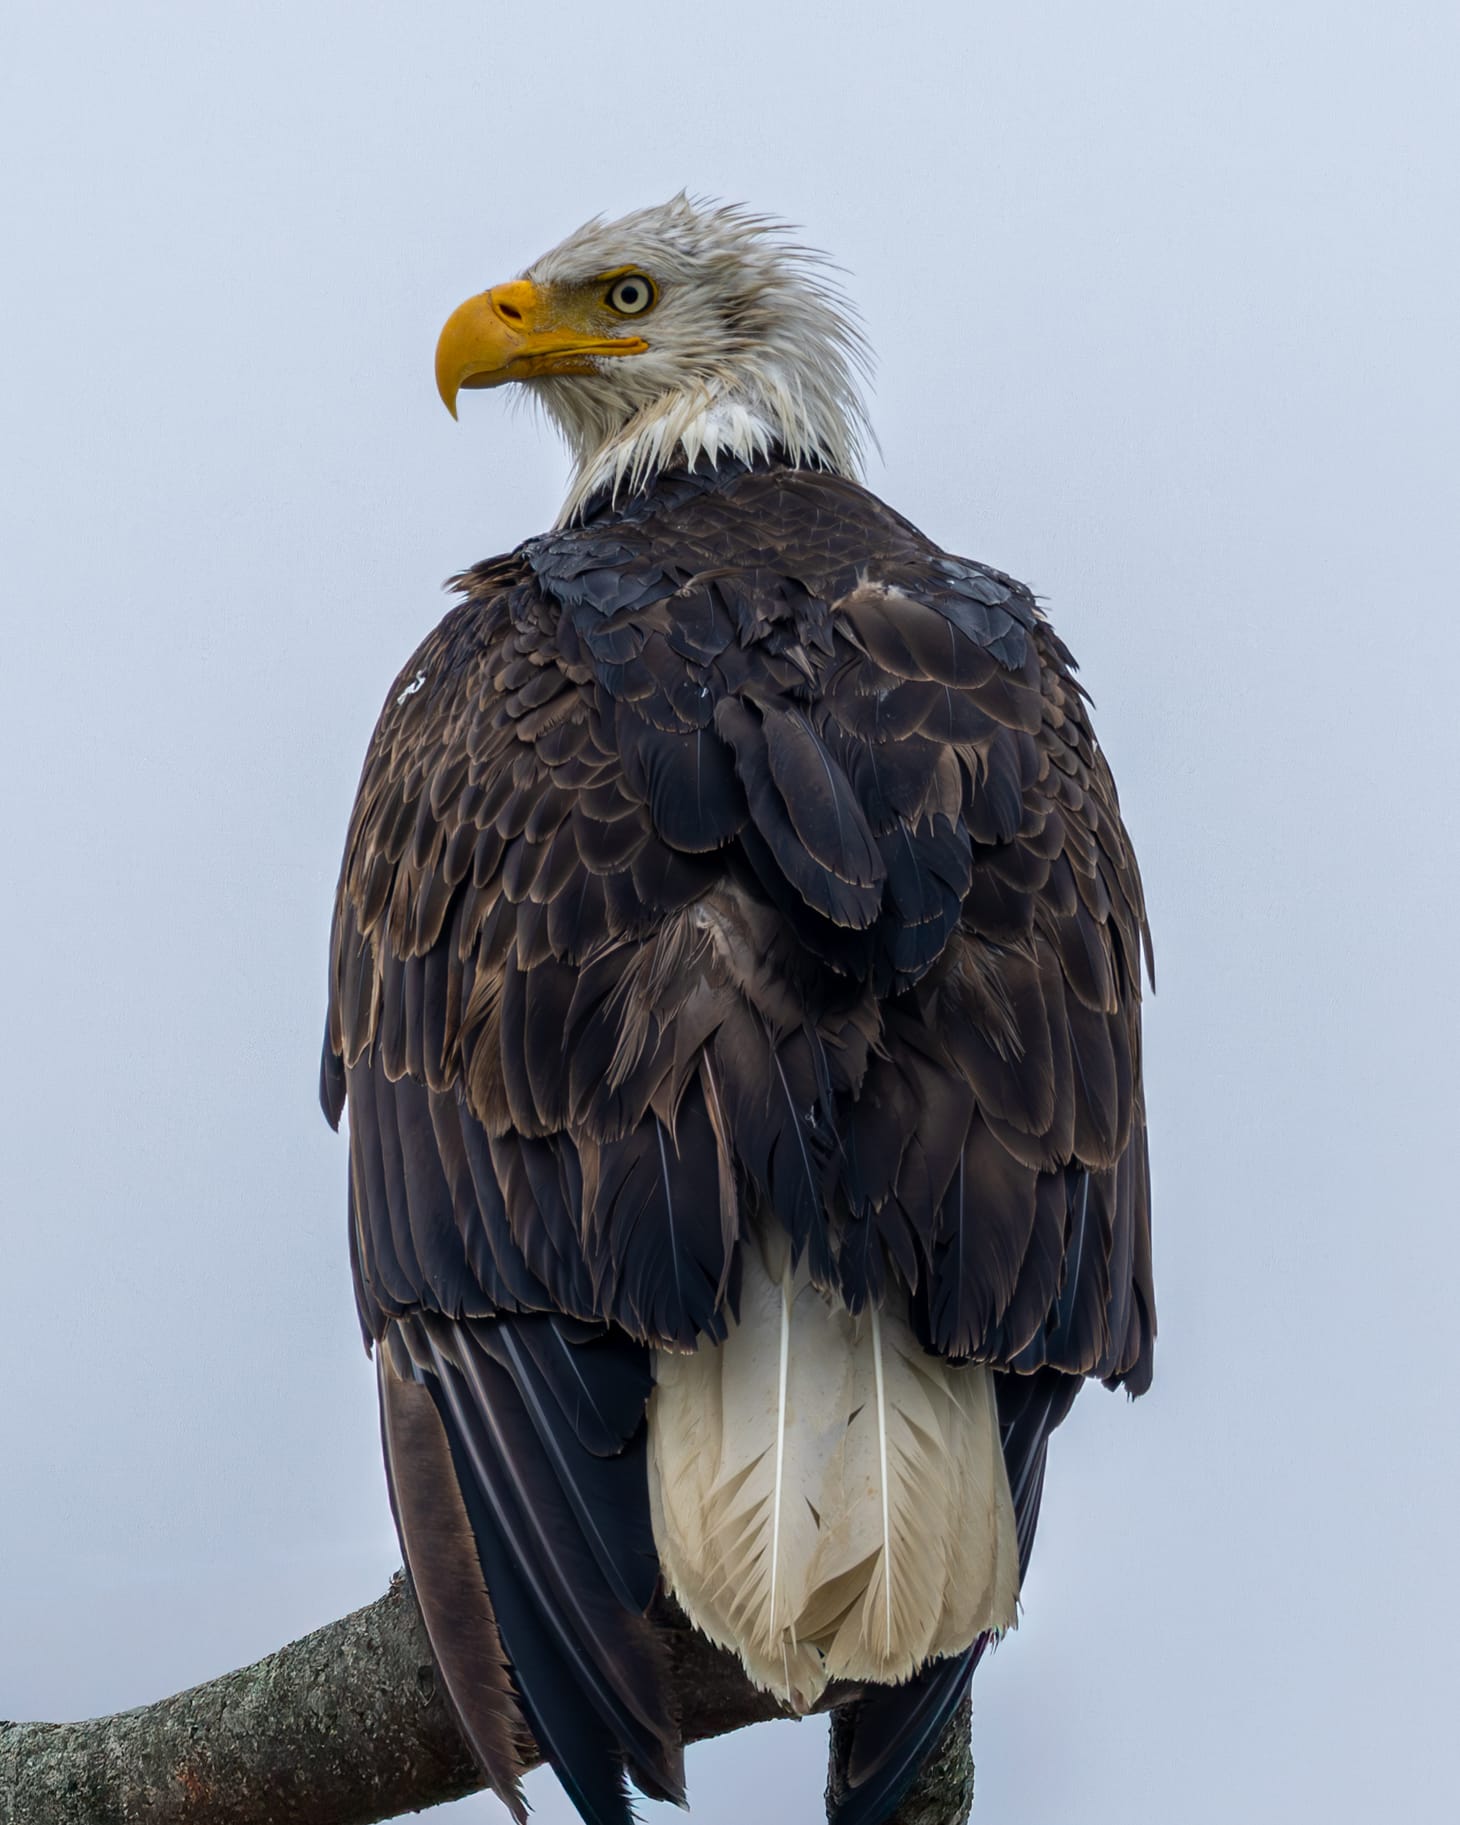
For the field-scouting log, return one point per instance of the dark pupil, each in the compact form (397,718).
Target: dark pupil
(628,294)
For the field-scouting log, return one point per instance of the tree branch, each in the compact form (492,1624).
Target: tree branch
(344,1727)
(943,1792)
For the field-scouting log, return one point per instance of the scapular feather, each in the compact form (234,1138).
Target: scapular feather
(819,800)
(846,890)
(695,801)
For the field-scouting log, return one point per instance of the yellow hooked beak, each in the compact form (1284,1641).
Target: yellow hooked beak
(519,331)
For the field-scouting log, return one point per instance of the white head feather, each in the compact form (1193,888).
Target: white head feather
(752,349)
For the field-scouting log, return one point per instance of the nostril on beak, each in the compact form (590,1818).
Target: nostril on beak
(509,311)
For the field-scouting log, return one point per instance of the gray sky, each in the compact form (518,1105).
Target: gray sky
(1164,300)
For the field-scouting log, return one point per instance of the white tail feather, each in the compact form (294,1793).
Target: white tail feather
(882,1466)
(829,1500)
(778,1494)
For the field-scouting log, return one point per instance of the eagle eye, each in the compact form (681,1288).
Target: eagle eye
(631,295)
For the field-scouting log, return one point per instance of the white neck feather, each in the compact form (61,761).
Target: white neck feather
(701,428)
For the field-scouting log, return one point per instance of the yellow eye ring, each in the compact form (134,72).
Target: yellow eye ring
(631,295)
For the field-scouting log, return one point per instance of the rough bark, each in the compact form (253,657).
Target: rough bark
(344,1727)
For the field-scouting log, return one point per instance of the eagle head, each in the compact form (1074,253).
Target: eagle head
(679,333)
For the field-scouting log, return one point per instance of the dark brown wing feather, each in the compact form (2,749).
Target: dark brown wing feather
(734,852)
(436,1534)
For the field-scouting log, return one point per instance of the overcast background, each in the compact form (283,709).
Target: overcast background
(1164,302)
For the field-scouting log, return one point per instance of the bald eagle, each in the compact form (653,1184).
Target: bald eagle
(735,987)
